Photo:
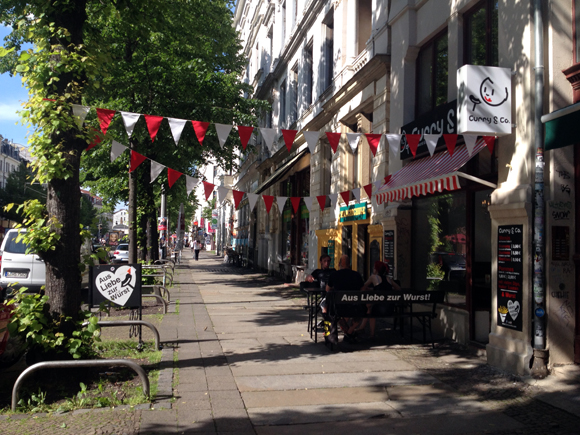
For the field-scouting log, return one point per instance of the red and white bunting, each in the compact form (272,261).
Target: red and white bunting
(190,183)
(413,142)
(129,121)
(80,112)
(223,131)
(116,150)
(470,140)
(153,123)
(252,199)
(308,202)
(222,193)
(176,125)
(200,129)
(311,138)
(268,201)
(321,201)
(289,136)
(105,117)
(431,141)
(368,189)
(268,134)
(281,201)
(295,200)
(172,176)
(136,160)
(208,189)
(237,197)
(489,141)
(333,139)
(356,194)
(245,134)
(353,139)
(333,199)
(345,196)
(374,141)
(156,169)
(394,141)
(450,141)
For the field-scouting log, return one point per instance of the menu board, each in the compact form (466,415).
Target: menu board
(389,250)
(509,276)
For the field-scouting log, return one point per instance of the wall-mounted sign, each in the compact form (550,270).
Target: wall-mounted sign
(389,250)
(214,219)
(509,276)
(116,284)
(484,103)
(355,212)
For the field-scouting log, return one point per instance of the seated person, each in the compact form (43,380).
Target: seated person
(322,275)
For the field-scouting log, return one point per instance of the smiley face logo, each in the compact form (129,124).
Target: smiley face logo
(490,93)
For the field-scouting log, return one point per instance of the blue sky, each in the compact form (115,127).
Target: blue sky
(12,95)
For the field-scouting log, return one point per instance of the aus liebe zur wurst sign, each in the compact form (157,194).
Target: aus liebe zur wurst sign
(509,276)
(116,284)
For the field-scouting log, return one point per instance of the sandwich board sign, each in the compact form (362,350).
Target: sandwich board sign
(116,284)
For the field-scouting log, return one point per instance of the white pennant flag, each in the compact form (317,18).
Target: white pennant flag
(308,202)
(190,183)
(311,139)
(470,140)
(394,143)
(222,193)
(431,140)
(281,200)
(176,125)
(223,131)
(252,198)
(353,140)
(130,119)
(268,134)
(156,169)
(356,193)
(333,199)
(81,113)
(116,150)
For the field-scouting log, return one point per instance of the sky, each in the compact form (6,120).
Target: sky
(12,95)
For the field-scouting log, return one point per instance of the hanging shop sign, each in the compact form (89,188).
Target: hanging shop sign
(484,104)
(509,276)
(355,212)
(214,219)
(116,284)
(389,250)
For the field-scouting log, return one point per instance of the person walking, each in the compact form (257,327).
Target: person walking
(196,248)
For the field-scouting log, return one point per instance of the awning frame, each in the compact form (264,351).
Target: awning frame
(282,170)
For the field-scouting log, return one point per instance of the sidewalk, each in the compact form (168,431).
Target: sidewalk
(246,365)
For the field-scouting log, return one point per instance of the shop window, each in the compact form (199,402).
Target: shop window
(327,64)
(481,34)
(432,64)
(365,23)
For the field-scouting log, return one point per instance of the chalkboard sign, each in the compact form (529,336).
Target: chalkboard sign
(116,284)
(509,276)
(331,252)
(389,251)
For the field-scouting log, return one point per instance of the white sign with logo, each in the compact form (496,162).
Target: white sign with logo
(484,100)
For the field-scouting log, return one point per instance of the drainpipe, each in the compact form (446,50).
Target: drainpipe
(539,367)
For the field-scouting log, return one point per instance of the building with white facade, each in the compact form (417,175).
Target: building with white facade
(11,155)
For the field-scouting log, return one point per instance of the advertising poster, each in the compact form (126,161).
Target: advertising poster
(116,284)
(509,276)
(389,250)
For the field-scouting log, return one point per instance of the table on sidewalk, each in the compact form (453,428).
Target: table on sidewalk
(314,295)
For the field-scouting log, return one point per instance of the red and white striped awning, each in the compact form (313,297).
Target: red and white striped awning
(430,175)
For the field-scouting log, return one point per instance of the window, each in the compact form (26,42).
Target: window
(481,41)
(328,50)
(294,107)
(308,74)
(576,24)
(364,24)
(432,75)
(283,23)
(270,54)
(282,120)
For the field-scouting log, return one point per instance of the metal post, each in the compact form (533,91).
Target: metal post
(163,234)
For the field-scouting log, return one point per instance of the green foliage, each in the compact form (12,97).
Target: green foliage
(35,403)
(18,190)
(206,212)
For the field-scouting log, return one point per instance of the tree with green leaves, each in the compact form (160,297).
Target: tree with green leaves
(18,190)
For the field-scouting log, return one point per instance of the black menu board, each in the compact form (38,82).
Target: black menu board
(389,250)
(509,276)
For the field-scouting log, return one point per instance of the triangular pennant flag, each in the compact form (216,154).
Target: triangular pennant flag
(295,200)
(136,160)
(394,143)
(413,142)
(81,113)
(176,125)
(116,150)
(237,197)
(345,196)
(153,124)
(369,189)
(190,183)
(281,200)
(105,117)
(156,169)
(289,136)
(321,201)
(268,134)
(97,140)
(470,140)
(200,129)
(374,141)
(333,138)
(252,198)
(378,184)
(489,141)
(129,120)
(245,134)
(311,139)
(353,140)
(356,193)
(431,141)
(450,141)
(222,193)
(333,200)
(268,200)
(172,176)
(308,202)
(223,131)
(208,188)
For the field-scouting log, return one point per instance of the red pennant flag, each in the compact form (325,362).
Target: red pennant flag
(105,117)
(450,141)
(374,141)
(387,179)
(245,134)
(333,138)
(97,140)
(368,189)
(208,188)
(237,197)
(413,141)
(153,124)
(200,130)
(268,200)
(289,136)
(136,160)
(173,176)
(490,142)
(321,201)
(295,203)
(345,196)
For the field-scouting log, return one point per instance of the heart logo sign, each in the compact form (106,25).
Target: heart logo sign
(514,309)
(117,285)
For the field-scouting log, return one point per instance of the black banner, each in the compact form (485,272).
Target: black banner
(509,276)
(373,296)
(116,284)
(389,251)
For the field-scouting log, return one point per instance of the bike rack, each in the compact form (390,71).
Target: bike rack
(159,298)
(87,363)
(155,287)
(129,323)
